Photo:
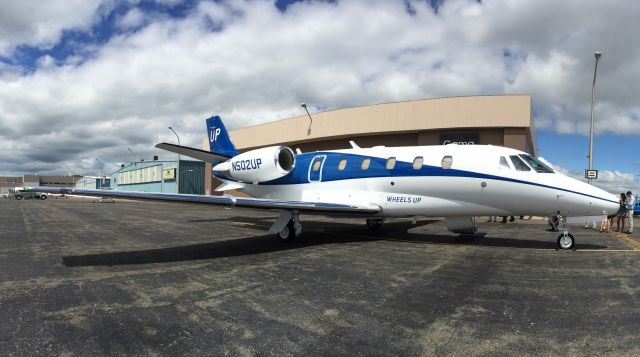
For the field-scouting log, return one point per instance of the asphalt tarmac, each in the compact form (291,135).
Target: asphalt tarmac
(82,278)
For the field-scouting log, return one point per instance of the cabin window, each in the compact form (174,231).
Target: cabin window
(342,164)
(447,161)
(537,165)
(365,163)
(316,165)
(519,164)
(417,163)
(391,163)
(504,165)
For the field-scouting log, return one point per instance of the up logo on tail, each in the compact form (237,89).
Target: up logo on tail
(219,140)
(213,134)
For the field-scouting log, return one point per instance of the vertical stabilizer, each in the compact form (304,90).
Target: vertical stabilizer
(219,140)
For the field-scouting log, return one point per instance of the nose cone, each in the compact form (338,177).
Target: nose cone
(603,201)
(610,208)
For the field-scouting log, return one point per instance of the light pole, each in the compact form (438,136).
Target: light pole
(132,153)
(304,105)
(593,99)
(178,169)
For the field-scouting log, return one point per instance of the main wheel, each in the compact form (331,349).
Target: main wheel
(18,197)
(374,223)
(566,242)
(285,234)
(43,197)
(296,228)
(290,232)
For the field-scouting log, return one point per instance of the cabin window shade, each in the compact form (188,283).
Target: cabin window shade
(519,164)
(342,164)
(391,163)
(447,161)
(366,163)
(417,163)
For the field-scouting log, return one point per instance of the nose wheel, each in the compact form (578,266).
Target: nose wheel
(566,241)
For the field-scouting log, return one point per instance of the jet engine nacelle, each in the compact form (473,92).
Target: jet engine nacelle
(259,165)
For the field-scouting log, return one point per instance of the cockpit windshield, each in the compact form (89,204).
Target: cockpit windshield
(536,164)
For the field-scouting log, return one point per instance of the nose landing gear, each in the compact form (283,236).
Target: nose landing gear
(565,239)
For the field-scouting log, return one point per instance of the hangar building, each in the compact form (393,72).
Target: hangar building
(160,176)
(93,182)
(12,182)
(504,120)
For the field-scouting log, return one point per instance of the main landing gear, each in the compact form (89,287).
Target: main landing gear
(291,230)
(565,239)
(374,223)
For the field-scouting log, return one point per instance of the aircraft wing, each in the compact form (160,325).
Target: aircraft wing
(203,155)
(229,201)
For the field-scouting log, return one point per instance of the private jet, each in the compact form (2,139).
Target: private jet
(457,182)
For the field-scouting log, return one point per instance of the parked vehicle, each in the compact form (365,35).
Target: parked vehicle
(21,194)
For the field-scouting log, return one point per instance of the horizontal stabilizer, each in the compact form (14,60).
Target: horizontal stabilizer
(230,186)
(192,152)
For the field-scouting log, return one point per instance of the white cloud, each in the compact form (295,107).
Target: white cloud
(132,19)
(251,63)
(40,23)
(611,181)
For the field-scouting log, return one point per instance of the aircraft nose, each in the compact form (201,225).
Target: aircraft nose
(611,208)
(608,203)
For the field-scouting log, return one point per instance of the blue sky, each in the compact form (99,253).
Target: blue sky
(610,151)
(81,79)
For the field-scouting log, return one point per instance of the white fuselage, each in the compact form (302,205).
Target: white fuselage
(475,184)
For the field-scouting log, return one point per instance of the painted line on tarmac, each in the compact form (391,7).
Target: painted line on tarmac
(609,250)
(487,246)
(632,242)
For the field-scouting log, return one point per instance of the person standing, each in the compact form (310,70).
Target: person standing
(631,202)
(622,213)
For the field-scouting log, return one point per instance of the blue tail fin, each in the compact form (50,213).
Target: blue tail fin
(219,140)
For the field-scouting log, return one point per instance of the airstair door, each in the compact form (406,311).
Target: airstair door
(315,168)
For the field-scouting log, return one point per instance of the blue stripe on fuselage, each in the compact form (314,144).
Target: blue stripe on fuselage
(377,168)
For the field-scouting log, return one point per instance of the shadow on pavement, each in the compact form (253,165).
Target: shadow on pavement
(337,232)
(220,249)
(485,241)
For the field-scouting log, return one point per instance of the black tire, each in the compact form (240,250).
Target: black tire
(18,197)
(566,243)
(287,234)
(374,223)
(296,228)
(43,197)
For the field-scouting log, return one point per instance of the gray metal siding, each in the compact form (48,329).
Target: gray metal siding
(192,177)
